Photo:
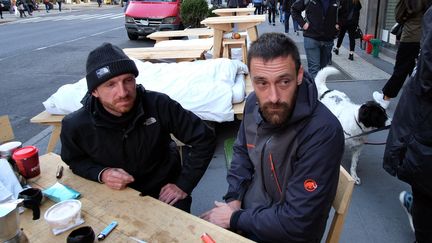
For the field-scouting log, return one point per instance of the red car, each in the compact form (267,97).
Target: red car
(144,17)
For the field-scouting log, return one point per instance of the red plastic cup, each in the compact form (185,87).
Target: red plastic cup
(27,160)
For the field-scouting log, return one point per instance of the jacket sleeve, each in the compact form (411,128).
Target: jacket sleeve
(425,60)
(296,9)
(241,171)
(193,132)
(73,155)
(303,213)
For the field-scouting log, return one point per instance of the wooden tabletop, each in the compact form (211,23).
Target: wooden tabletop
(45,117)
(174,52)
(164,35)
(142,217)
(233,11)
(234,19)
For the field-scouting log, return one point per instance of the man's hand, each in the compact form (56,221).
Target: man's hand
(306,26)
(235,205)
(337,27)
(116,178)
(220,215)
(170,194)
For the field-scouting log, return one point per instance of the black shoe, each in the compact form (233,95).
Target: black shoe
(336,51)
(274,24)
(351,57)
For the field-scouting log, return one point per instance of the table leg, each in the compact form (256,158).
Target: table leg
(253,33)
(55,135)
(217,43)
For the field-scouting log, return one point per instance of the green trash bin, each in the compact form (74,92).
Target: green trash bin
(376,43)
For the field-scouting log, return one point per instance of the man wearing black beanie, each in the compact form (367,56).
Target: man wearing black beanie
(121,135)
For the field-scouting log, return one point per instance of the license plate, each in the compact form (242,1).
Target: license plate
(144,22)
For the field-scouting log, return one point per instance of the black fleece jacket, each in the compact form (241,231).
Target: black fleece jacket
(139,143)
(322,24)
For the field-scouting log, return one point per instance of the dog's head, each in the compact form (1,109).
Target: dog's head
(371,114)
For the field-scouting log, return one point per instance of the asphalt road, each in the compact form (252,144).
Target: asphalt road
(40,54)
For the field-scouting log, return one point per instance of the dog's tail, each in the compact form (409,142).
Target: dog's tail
(321,78)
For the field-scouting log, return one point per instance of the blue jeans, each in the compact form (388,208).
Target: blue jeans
(318,54)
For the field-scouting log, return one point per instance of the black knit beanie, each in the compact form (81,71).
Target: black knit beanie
(105,62)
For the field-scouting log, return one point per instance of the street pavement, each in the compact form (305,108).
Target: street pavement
(38,14)
(375,214)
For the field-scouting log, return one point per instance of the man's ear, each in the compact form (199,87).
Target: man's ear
(300,75)
(95,93)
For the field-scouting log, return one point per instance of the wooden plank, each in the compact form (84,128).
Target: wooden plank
(142,217)
(234,19)
(233,11)
(183,52)
(6,131)
(45,117)
(165,35)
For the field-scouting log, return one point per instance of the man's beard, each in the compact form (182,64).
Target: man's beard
(278,117)
(283,110)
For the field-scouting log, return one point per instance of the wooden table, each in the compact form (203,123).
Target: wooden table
(225,24)
(48,119)
(166,35)
(233,11)
(179,53)
(142,217)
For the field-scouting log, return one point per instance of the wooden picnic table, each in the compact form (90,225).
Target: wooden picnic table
(224,24)
(166,35)
(145,218)
(233,11)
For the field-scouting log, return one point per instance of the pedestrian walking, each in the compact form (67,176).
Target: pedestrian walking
(99,3)
(408,152)
(271,8)
(20,7)
(409,13)
(258,6)
(320,27)
(1,10)
(286,8)
(349,23)
(47,5)
(59,2)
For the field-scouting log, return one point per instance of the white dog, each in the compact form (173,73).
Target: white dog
(355,119)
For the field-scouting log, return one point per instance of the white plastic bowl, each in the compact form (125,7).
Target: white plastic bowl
(64,214)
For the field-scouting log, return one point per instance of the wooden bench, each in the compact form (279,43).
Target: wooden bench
(180,53)
(166,35)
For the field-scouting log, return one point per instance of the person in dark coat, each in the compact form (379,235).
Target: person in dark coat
(349,23)
(410,14)
(286,8)
(121,135)
(285,167)
(320,26)
(237,3)
(408,152)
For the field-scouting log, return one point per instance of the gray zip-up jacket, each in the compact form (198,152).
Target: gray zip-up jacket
(286,177)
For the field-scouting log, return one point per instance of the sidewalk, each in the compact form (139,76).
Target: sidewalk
(66,8)
(375,214)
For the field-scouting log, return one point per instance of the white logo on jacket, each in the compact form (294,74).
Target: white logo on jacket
(149,121)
